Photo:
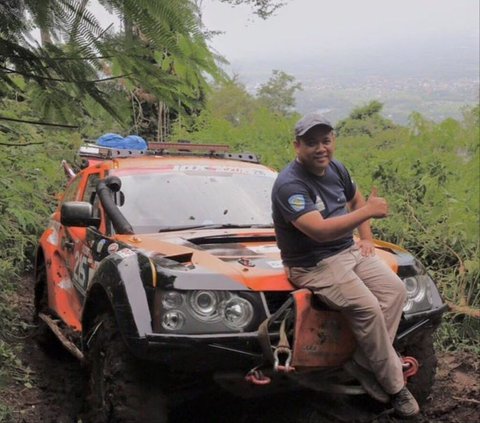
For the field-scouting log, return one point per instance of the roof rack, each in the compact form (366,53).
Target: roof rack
(187,146)
(166,149)
(99,152)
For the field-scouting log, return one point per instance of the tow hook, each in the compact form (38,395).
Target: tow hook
(410,367)
(285,368)
(256,377)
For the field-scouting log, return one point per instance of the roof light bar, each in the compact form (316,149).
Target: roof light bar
(188,147)
(166,149)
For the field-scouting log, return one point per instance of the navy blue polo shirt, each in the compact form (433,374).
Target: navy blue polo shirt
(297,191)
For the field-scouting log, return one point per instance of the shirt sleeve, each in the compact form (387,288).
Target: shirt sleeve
(293,200)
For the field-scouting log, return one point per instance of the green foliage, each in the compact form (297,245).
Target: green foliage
(459,332)
(12,367)
(5,413)
(234,117)
(278,93)
(29,180)
(365,120)
(166,55)
(430,175)
(231,102)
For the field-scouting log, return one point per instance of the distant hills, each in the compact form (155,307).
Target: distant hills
(436,77)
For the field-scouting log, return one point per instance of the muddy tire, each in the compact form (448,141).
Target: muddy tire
(119,389)
(43,334)
(423,350)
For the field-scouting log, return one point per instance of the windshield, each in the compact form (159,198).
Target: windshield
(196,197)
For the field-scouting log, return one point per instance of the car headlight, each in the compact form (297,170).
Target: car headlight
(419,290)
(173,320)
(237,313)
(204,311)
(172,299)
(204,305)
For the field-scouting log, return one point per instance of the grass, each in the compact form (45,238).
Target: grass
(5,414)
(458,333)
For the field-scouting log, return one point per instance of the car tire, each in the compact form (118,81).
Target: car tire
(43,334)
(422,348)
(119,389)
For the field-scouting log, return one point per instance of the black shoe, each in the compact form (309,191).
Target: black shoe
(367,380)
(404,404)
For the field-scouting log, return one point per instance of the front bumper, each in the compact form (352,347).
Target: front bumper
(202,353)
(413,324)
(242,351)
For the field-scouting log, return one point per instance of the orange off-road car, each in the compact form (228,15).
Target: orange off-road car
(159,270)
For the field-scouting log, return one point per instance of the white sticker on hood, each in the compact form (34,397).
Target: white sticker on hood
(125,253)
(277,264)
(265,249)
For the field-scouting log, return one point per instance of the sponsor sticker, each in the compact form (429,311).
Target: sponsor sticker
(297,202)
(65,284)
(224,169)
(112,248)
(100,245)
(53,237)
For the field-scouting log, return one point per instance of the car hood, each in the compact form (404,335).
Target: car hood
(219,259)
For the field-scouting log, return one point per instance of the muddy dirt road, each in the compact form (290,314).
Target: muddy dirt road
(56,392)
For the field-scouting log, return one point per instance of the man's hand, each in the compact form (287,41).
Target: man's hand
(377,206)
(367,248)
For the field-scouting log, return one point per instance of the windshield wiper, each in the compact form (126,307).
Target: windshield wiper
(213,226)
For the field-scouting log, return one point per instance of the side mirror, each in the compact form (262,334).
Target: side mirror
(78,213)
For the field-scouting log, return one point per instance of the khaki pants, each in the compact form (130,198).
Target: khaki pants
(371,296)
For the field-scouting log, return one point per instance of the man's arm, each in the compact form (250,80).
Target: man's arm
(316,227)
(365,244)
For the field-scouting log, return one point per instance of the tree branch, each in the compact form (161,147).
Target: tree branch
(38,122)
(464,309)
(7,144)
(61,59)
(46,78)
(470,400)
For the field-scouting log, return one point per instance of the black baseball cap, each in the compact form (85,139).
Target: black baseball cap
(309,121)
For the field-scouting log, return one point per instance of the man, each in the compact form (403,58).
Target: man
(316,207)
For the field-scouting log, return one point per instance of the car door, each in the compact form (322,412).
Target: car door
(83,264)
(76,242)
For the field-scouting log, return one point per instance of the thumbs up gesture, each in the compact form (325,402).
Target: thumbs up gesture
(377,206)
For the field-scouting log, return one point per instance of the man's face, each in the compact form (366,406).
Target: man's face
(315,149)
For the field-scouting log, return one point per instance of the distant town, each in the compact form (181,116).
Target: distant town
(435,99)
(437,78)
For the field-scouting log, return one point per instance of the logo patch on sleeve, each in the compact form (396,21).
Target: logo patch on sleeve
(297,202)
(319,204)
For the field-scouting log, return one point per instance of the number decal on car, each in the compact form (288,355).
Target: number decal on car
(81,270)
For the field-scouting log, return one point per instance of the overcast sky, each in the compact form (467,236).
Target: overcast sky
(327,27)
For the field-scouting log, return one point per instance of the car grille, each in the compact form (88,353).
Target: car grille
(406,271)
(275,299)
